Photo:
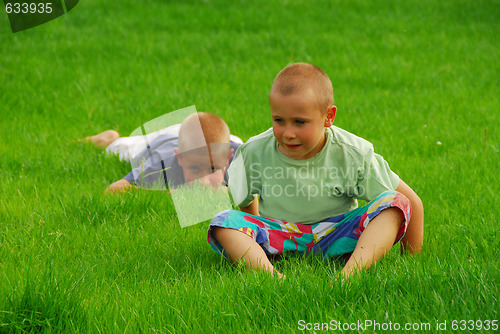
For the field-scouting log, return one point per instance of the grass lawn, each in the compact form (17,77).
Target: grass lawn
(419,79)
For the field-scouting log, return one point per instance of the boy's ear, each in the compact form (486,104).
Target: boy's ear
(179,159)
(330,116)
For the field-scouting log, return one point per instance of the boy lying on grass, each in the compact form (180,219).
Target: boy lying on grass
(178,154)
(307,176)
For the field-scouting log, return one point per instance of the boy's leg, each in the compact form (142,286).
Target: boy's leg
(241,247)
(245,237)
(367,232)
(375,241)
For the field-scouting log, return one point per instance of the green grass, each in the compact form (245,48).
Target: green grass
(406,75)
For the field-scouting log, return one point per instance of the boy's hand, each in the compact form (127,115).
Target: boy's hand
(119,186)
(252,208)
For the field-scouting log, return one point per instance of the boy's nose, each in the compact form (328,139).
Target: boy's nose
(289,133)
(212,179)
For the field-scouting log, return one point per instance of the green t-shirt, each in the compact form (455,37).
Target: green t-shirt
(309,191)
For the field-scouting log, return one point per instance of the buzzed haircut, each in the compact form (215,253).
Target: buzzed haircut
(213,130)
(298,77)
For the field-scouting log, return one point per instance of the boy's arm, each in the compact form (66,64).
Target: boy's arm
(252,208)
(413,239)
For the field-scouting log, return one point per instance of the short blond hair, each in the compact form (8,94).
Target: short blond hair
(213,130)
(299,77)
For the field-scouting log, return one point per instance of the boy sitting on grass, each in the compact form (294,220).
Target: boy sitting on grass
(200,148)
(297,185)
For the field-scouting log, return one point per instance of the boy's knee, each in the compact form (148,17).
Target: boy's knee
(223,235)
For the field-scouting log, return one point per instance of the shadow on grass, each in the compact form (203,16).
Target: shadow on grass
(44,304)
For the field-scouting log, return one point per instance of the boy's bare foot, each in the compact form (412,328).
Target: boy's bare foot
(103,139)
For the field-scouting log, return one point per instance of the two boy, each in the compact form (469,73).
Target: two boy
(297,185)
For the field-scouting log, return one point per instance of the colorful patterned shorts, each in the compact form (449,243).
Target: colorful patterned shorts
(331,237)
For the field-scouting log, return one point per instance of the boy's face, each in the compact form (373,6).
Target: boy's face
(207,168)
(299,124)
